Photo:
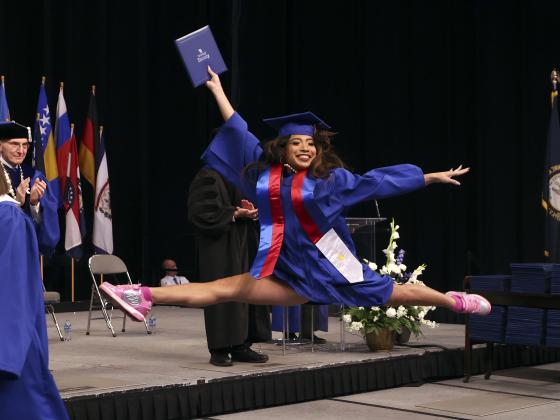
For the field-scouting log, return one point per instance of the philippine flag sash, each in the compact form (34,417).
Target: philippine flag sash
(319,231)
(311,219)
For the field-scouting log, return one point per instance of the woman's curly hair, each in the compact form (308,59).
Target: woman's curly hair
(3,184)
(325,159)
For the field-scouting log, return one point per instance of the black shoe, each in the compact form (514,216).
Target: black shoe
(316,340)
(220,358)
(248,355)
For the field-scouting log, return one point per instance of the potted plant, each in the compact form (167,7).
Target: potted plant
(380,324)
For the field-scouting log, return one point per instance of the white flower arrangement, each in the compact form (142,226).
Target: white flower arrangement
(376,318)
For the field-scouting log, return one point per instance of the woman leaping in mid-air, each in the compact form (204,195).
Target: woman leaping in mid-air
(305,253)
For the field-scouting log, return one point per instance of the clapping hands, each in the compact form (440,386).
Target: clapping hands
(37,191)
(246,210)
(35,194)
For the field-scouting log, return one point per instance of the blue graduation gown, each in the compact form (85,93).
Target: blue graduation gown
(294,318)
(300,264)
(48,231)
(27,388)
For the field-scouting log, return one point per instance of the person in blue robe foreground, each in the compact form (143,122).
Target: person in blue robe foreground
(27,388)
(27,186)
(305,253)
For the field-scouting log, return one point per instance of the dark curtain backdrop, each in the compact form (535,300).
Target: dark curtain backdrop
(435,83)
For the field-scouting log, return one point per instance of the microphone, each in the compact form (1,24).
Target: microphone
(377,208)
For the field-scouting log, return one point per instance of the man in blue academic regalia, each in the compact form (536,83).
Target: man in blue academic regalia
(27,389)
(28,187)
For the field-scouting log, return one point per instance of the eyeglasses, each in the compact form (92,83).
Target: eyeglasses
(15,146)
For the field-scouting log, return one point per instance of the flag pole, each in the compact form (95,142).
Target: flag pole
(41,259)
(2,80)
(554,80)
(72,259)
(551,250)
(67,180)
(100,134)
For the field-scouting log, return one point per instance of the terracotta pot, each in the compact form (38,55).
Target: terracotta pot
(383,340)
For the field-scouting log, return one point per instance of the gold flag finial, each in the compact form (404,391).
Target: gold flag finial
(554,78)
(93,89)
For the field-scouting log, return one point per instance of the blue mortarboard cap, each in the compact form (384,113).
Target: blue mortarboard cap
(13,130)
(303,123)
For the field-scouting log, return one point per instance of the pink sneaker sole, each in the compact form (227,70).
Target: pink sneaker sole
(105,288)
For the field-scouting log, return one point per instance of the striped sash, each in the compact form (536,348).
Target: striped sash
(271,219)
(311,219)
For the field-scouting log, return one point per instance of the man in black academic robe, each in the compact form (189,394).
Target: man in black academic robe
(226,234)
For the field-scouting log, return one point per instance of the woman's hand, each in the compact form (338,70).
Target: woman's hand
(214,84)
(446,177)
(37,191)
(21,191)
(246,210)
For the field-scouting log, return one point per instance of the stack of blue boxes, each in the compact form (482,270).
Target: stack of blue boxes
(553,328)
(492,326)
(553,316)
(526,325)
(515,324)
(531,278)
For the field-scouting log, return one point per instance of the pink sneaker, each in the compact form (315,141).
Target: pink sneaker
(128,297)
(470,304)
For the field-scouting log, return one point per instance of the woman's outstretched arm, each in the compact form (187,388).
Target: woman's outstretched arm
(446,177)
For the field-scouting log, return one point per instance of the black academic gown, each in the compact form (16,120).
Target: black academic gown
(225,248)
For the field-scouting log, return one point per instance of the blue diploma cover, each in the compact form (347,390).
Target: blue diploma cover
(198,50)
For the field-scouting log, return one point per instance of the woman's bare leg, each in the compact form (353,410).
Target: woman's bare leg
(240,288)
(137,301)
(415,294)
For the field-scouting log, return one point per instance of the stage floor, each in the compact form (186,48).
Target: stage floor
(528,393)
(166,375)
(177,353)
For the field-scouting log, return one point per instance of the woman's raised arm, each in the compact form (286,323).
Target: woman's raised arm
(215,86)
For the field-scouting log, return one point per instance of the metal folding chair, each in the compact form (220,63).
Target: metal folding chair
(101,265)
(50,299)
